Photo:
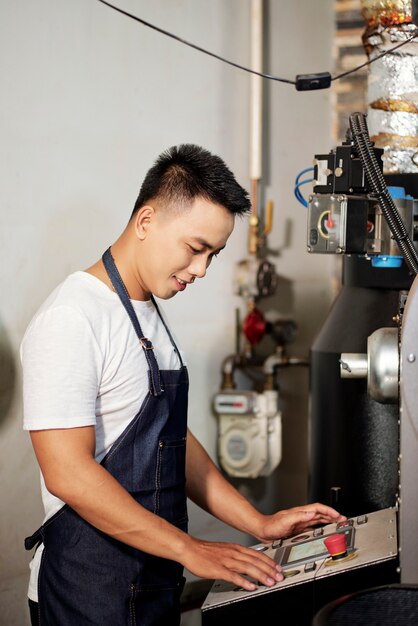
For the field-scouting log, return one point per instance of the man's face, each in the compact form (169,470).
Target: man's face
(178,247)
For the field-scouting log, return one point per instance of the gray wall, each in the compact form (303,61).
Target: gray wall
(89,99)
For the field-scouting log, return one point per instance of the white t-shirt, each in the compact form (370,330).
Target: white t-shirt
(83,366)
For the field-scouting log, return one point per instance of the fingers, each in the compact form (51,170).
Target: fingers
(252,563)
(295,521)
(298,519)
(320,510)
(259,566)
(324,514)
(236,564)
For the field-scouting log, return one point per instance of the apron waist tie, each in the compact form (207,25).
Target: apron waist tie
(34,540)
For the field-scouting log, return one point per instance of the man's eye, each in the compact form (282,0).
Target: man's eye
(195,250)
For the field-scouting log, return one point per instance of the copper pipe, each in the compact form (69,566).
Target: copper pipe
(253,239)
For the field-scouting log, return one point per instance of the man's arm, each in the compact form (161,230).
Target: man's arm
(66,458)
(208,488)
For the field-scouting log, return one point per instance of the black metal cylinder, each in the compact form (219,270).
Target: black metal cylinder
(354,440)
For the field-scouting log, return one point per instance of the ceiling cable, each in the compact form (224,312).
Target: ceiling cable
(303,82)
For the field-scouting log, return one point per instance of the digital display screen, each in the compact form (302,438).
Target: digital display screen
(315,548)
(310,550)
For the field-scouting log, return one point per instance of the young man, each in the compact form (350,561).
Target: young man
(105,401)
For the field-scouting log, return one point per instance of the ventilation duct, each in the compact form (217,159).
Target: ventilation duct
(392,93)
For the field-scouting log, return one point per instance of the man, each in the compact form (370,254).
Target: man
(105,401)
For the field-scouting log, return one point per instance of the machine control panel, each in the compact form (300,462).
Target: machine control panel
(303,551)
(370,539)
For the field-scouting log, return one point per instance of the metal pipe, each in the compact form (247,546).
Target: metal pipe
(256,88)
(353,365)
(256,120)
(228,368)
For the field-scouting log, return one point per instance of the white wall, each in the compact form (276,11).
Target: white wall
(89,99)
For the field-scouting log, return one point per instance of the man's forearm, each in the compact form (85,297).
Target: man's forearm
(208,488)
(73,475)
(105,504)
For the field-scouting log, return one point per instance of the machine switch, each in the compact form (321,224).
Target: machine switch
(310,567)
(345,524)
(362,519)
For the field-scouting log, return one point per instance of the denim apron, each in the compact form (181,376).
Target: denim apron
(86,576)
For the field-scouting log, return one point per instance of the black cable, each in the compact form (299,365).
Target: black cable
(192,45)
(379,56)
(302,82)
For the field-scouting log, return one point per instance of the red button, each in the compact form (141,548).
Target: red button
(336,545)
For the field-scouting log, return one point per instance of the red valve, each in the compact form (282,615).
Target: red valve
(254,326)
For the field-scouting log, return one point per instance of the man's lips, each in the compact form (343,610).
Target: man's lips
(181,284)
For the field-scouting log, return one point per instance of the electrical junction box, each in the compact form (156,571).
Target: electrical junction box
(250,432)
(337,224)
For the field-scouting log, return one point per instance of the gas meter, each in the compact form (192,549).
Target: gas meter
(250,432)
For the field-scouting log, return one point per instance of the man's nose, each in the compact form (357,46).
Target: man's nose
(198,267)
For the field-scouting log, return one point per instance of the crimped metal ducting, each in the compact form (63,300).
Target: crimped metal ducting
(392,83)
(386,12)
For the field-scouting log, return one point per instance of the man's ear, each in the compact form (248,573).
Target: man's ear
(143,219)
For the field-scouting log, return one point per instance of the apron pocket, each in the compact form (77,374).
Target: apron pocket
(170,497)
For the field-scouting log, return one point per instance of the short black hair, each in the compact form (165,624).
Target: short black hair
(185,172)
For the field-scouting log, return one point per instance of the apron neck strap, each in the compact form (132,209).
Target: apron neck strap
(146,345)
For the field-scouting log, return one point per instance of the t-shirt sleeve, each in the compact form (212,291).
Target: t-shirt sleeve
(61,366)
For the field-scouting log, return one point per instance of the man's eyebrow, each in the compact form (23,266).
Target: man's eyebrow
(207,245)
